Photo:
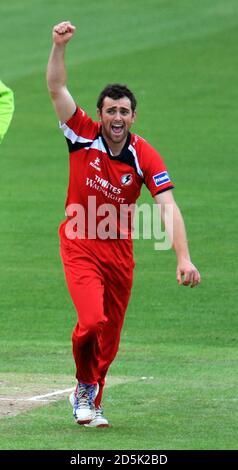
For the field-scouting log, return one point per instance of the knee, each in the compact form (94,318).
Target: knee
(91,328)
(87,329)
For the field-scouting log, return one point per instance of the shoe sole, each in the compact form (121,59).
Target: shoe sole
(97,426)
(83,422)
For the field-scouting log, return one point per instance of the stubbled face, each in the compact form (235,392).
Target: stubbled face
(116,117)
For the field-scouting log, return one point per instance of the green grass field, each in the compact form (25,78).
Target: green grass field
(180,58)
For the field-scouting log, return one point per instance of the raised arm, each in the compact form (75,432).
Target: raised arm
(62,100)
(187,273)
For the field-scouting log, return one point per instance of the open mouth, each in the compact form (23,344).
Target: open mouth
(117,129)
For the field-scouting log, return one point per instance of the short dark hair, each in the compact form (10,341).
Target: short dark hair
(116,91)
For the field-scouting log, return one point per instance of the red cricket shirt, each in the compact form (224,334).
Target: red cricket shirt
(99,180)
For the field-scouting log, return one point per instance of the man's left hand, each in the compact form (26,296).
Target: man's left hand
(187,274)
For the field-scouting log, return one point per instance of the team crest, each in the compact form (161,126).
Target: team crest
(126,180)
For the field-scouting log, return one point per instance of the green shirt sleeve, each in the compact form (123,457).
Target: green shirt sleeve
(6,108)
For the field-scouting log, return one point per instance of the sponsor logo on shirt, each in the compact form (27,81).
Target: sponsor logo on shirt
(126,180)
(110,191)
(96,164)
(161,178)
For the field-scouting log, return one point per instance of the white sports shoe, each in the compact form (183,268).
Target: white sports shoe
(99,421)
(82,401)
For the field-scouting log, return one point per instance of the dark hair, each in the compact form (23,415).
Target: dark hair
(116,91)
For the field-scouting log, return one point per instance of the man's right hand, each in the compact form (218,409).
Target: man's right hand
(63,32)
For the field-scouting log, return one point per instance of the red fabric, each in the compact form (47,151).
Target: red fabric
(99,278)
(94,173)
(99,272)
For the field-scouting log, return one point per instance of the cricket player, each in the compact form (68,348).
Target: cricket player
(6,108)
(108,165)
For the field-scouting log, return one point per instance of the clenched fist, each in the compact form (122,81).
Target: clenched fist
(63,32)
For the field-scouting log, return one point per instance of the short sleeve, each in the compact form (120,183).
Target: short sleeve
(156,176)
(80,128)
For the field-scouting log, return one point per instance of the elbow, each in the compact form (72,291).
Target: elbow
(55,91)
(54,86)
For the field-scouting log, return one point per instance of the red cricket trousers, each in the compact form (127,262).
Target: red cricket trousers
(99,278)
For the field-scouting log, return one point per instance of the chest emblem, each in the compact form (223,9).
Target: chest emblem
(127,179)
(96,164)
